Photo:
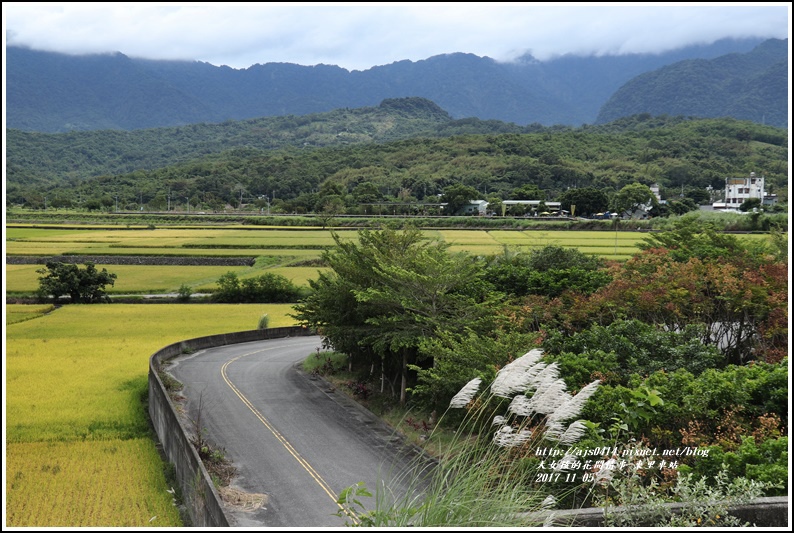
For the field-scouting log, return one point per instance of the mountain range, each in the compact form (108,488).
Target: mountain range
(52,92)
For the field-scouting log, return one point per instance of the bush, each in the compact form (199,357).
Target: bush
(628,347)
(267,288)
(184,293)
(766,462)
(264,321)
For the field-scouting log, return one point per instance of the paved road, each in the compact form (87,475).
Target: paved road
(289,436)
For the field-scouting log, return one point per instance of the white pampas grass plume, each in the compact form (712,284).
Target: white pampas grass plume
(605,473)
(507,438)
(520,406)
(517,376)
(498,421)
(566,463)
(573,406)
(547,375)
(548,503)
(462,398)
(571,435)
(550,398)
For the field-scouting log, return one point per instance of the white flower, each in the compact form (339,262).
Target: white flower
(549,502)
(520,406)
(507,438)
(462,398)
(573,406)
(518,375)
(550,398)
(566,463)
(571,435)
(546,376)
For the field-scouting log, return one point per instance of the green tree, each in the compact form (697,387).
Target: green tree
(750,204)
(528,192)
(391,291)
(266,288)
(457,197)
(632,197)
(588,200)
(81,285)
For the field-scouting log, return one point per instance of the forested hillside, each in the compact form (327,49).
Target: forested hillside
(681,155)
(50,92)
(751,86)
(50,159)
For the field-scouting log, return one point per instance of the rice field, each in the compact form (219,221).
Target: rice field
(79,451)
(20,313)
(297,243)
(275,248)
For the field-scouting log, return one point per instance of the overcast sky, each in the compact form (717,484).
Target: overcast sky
(360,36)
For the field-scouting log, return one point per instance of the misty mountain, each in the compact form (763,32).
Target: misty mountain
(51,92)
(751,86)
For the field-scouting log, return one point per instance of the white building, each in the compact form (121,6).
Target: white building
(739,190)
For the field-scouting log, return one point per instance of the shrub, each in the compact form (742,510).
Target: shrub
(184,293)
(267,288)
(766,462)
(264,321)
(629,347)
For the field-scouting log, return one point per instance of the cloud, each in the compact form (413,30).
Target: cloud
(359,36)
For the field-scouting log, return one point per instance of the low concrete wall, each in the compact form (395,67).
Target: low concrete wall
(762,512)
(203,503)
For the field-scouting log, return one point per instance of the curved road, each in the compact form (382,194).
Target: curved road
(289,436)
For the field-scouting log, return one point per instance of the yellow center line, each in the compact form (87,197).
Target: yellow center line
(284,442)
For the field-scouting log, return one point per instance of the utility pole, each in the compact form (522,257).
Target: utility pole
(117,203)
(187,198)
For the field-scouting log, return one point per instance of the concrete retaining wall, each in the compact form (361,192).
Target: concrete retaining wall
(762,512)
(203,503)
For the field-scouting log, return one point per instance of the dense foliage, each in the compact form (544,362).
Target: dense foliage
(688,339)
(752,86)
(82,285)
(265,288)
(371,178)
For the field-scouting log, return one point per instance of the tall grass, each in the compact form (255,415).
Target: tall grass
(482,478)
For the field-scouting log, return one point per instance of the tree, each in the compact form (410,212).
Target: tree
(528,192)
(457,197)
(632,197)
(81,285)
(750,204)
(266,288)
(588,200)
(391,291)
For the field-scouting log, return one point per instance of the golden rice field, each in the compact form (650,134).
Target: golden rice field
(279,245)
(79,447)
(157,279)
(293,242)
(20,313)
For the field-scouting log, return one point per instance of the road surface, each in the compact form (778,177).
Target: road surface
(291,438)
